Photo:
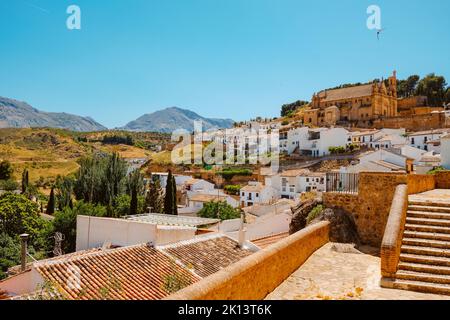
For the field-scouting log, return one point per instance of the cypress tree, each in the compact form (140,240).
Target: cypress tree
(169,197)
(154,198)
(51,202)
(134,202)
(174,201)
(25,181)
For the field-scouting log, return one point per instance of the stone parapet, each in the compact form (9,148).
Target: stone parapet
(254,277)
(393,234)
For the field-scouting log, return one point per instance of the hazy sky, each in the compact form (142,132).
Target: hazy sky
(220,58)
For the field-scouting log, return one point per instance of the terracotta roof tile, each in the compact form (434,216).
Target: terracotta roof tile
(130,273)
(207,255)
(267,241)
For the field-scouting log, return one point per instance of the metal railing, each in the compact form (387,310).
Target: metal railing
(342,182)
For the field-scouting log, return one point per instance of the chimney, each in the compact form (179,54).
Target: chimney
(242,233)
(24,251)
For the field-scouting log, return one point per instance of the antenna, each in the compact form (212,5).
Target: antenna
(59,238)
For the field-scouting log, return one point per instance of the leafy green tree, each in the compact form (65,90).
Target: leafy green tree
(122,205)
(154,198)
(66,221)
(290,108)
(9,253)
(100,180)
(64,190)
(407,88)
(170,198)
(434,87)
(114,177)
(51,202)
(19,215)
(219,210)
(88,179)
(6,170)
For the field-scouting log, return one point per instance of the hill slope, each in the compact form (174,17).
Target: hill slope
(174,118)
(17,114)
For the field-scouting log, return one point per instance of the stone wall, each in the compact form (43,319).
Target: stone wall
(414,122)
(370,207)
(442,180)
(254,277)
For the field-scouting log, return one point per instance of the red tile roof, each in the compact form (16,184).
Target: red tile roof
(267,241)
(131,273)
(208,254)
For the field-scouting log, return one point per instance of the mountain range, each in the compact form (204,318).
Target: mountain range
(18,114)
(171,119)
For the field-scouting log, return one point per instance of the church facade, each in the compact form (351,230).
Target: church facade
(359,105)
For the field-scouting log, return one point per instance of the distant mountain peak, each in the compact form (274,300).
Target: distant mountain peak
(174,118)
(19,114)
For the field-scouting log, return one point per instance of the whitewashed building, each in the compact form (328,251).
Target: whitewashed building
(257,193)
(421,139)
(291,184)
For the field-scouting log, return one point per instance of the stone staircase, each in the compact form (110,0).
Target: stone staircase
(425,253)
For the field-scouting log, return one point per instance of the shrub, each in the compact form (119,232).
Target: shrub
(233,189)
(219,210)
(314,213)
(436,170)
(9,185)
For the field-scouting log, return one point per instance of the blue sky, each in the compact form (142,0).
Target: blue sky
(221,58)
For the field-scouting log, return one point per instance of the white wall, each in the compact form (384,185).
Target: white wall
(93,232)
(445,152)
(171,234)
(265,226)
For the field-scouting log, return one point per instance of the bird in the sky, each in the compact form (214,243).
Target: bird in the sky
(379,32)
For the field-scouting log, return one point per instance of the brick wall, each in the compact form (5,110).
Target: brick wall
(254,277)
(371,206)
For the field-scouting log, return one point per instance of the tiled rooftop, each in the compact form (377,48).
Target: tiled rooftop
(267,241)
(169,220)
(206,197)
(130,273)
(346,93)
(207,254)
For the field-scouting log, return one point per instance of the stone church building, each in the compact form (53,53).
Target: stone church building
(360,105)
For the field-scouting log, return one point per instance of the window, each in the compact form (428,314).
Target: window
(257,194)
(307,179)
(412,141)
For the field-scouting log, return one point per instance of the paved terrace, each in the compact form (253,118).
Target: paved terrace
(436,196)
(338,271)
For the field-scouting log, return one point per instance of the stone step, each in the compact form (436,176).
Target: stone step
(429,208)
(424,259)
(425,228)
(418,267)
(427,235)
(429,243)
(428,221)
(420,286)
(436,252)
(429,215)
(423,277)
